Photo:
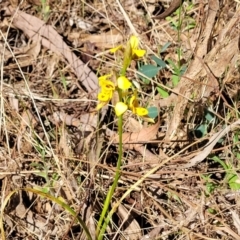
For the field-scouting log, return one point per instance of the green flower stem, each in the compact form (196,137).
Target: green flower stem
(102,228)
(114,185)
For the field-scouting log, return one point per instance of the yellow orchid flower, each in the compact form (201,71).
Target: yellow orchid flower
(107,89)
(133,105)
(138,52)
(134,43)
(113,50)
(123,83)
(100,105)
(104,97)
(104,77)
(120,108)
(104,82)
(141,111)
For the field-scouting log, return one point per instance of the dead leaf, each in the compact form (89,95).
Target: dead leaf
(133,125)
(236,220)
(88,212)
(5,54)
(20,210)
(14,103)
(146,134)
(14,3)
(37,30)
(227,230)
(26,56)
(133,230)
(64,143)
(24,137)
(86,122)
(153,233)
(53,62)
(105,40)
(149,157)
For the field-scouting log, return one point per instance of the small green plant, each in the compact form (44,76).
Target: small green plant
(149,71)
(208,120)
(44,173)
(212,211)
(127,99)
(45,9)
(176,67)
(209,183)
(231,176)
(176,23)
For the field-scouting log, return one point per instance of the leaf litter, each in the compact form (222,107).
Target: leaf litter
(48,95)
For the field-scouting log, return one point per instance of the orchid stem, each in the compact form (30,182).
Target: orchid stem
(114,185)
(101,228)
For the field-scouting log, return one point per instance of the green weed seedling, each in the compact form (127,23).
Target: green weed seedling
(45,10)
(209,183)
(212,211)
(64,82)
(43,172)
(203,128)
(231,177)
(177,20)
(149,71)
(177,70)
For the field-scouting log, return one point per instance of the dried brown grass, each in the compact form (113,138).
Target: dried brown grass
(50,138)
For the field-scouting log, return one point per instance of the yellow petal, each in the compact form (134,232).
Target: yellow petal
(104,97)
(108,88)
(139,53)
(134,42)
(123,83)
(106,84)
(104,77)
(141,111)
(113,50)
(120,108)
(150,120)
(133,103)
(100,105)
(107,92)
